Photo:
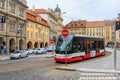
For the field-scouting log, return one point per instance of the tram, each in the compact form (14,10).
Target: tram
(78,47)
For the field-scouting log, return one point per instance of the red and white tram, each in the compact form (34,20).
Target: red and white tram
(78,47)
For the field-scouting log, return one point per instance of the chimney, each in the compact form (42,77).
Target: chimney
(33,10)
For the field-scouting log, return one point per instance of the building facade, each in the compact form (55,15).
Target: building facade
(92,28)
(54,19)
(37,31)
(58,13)
(12,32)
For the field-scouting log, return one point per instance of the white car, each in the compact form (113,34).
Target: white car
(40,51)
(30,51)
(50,48)
(19,54)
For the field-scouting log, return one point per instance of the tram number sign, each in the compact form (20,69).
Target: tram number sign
(51,41)
(65,33)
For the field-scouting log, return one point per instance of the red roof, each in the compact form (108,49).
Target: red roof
(95,23)
(33,17)
(38,11)
(84,23)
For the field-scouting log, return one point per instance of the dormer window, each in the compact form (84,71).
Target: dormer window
(81,24)
(39,19)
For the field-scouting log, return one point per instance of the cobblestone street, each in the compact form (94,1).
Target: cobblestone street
(42,68)
(53,74)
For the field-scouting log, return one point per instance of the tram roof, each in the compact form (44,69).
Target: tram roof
(78,35)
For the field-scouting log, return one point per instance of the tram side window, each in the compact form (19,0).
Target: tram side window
(93,45)
(82,47)
(101,45)
(69,48)
(75,47)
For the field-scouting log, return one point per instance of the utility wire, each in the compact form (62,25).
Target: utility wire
(80,6)
(70,17)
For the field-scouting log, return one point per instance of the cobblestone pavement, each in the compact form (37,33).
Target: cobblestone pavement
(53,74)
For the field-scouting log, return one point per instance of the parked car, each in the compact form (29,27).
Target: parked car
(19,54)
(50,48)
(41,50)
(30,51)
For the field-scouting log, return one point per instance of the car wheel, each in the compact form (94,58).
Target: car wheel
(27,55)
(11,58)
(20,56)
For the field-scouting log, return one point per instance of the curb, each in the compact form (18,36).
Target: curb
(49,57)
(65,68)
(89,70)
(100,70)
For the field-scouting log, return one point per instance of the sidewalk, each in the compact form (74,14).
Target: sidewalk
(47,55)
(4,57)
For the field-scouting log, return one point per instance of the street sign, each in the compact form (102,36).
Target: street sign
(65,33)
(51,41)
(117,25)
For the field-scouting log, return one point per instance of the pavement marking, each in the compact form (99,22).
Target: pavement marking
(98,76)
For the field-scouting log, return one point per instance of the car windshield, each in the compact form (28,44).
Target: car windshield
(16,52)
(21,51)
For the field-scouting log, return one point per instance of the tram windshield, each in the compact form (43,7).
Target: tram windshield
(62,44)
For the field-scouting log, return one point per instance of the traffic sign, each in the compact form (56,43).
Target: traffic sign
(117,25)
(65,33)
(51,41)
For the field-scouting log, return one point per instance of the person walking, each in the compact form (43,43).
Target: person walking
(4,50)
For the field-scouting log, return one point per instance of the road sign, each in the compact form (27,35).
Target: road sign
(51,41)
(117,25)
(65,33)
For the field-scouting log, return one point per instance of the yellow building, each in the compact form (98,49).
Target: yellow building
(76,27)
(37,31)
(92,28)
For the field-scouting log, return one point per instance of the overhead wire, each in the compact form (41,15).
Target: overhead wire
(77,8)
(93,1)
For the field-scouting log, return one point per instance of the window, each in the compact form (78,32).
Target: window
(93,45)
(2,27)
(31,35)
(12,27)
(27,33)
(36,35)
(36,26)
(21,12)
(12,7)
(2,4)
(101,45)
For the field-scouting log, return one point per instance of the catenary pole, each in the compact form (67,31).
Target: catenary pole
(115,61)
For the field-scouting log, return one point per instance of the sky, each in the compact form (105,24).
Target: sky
(90,10)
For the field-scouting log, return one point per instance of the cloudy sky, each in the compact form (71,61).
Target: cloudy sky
(90,10)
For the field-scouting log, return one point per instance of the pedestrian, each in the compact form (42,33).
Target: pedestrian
(4,50)
(13,50)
